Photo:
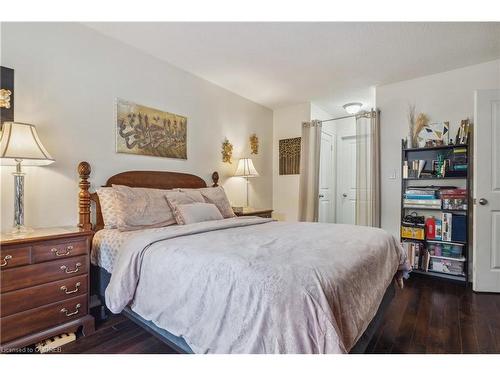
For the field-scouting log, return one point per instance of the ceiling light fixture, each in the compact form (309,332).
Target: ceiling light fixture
(352,108)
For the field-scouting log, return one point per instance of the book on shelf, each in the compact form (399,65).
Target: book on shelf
(422,203)
(446,226)
(417,255)
(419,196)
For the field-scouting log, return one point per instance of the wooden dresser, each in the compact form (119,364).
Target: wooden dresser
(44,285)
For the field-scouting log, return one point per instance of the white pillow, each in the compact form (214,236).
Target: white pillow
(217,196)
(198,212)
(176,198)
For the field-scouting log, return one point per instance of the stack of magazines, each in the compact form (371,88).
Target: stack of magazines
(422,197)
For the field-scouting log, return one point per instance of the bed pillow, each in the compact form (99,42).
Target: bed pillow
(197,212)
(217,196)
(176,198)
(142,208)
(109,210)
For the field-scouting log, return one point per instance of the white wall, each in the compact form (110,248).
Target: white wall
(445,96)
(67,77)
(287,123)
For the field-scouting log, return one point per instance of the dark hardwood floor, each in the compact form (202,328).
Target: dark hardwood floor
(435,316)
(427,316)
(117,335)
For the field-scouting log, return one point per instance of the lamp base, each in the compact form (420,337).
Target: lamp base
(20,230)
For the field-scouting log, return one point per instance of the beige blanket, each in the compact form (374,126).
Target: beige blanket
(254,286)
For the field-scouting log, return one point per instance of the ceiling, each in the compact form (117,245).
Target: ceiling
(278,64)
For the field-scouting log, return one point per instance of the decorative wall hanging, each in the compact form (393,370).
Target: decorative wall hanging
(254,144)
(289,156)
(6,94)
(227,151)
(143,130)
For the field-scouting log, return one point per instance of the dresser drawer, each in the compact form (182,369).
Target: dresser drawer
(36,274)
(24,323)
(58,250)
(14,256)
(29,298)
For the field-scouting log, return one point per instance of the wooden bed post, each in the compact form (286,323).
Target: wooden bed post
(84,196)
(215,179)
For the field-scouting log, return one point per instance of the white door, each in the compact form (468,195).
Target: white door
(486,251)
(346,183)
(326,173)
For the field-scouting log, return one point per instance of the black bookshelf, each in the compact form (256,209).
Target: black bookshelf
(429,154)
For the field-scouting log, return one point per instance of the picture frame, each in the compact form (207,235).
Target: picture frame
(434,134)
(143,130)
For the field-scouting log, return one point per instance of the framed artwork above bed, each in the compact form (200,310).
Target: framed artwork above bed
(143,130)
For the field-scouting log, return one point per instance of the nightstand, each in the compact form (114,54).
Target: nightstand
(248,211)
(44,285)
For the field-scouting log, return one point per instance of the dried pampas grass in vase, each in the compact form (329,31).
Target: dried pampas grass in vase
(411,126)
(421,122)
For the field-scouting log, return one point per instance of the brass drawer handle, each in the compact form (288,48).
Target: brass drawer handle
(58,254)
(65,310)
(5,260)
(65,289)
(65,268)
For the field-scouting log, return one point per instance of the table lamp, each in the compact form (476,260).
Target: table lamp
(246,169)
(20,144)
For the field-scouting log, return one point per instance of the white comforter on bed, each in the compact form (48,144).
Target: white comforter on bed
(248,285)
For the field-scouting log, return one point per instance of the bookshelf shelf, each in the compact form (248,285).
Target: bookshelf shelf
(443,147)
(435,178)
(442,275)
(432,209)
(448,242)
(430,154)
(462,259)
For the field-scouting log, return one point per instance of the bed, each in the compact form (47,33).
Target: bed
(242,285)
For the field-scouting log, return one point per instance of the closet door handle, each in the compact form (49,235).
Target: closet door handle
(483,202)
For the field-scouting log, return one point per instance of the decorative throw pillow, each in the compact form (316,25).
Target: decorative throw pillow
(217,196)
(107,200)
(141,208)
(197,212)
(177,198)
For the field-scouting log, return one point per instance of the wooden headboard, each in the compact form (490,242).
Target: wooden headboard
(145,179)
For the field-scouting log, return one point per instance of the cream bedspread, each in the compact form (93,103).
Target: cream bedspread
(254,286)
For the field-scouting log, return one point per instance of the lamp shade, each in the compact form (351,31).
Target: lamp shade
(245,168)
(20,141)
